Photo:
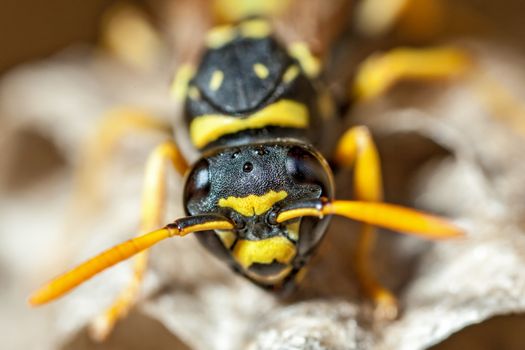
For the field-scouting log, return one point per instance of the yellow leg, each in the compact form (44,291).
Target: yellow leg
(379,72)
(128,35)
(357,148)
(153,203)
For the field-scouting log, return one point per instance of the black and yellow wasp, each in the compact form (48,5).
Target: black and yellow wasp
(261,196)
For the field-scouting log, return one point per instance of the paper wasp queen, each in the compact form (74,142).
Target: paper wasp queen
(261,196)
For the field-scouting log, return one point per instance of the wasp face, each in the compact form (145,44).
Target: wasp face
(249,184)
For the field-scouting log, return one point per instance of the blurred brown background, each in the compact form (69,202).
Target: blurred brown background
(31,29)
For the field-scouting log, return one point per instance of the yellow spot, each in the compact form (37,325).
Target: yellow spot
(194,93)
(220,36)
(380,72)
(284,113)
(309,63)
(216,80)
(291,73)
(179,87)
(256,29)
(253,205)
(264,251)
(227,237)
(260,70)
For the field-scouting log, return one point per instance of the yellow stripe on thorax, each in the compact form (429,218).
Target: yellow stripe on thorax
(265,251)
(253,205)
(222,35)
(255,28)
(235,10)
(284,113)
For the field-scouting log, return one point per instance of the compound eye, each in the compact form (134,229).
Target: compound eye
(198,184)
(305,168)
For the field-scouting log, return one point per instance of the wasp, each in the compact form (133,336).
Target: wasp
(262,194)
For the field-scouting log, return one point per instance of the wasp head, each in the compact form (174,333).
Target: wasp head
(249,184)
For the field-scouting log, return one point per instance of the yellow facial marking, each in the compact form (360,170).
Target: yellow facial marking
(291,73)
(227,237)
(253,205)
(179,87)
(220,36)
(216,80)
(284,113)
(261,71)
(256,29)
(264,251)
(194,93)
(308,62)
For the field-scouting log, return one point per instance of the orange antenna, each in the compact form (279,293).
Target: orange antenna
(384,215)
(69,280)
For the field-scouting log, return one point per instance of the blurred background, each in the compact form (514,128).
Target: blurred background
(454,147)
(32,30)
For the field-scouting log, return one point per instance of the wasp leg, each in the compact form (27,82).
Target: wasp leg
(153,203)
(381,71)
(357,148)
(394,217)
(128,35)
